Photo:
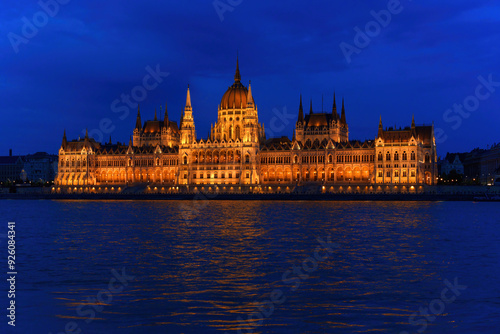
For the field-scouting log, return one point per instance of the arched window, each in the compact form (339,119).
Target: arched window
(185,160)
(396,156)
(295,159)
(238,132)
(247,159)
(413,155)
(405,156)
(380,157)
(388,156)
(427,158)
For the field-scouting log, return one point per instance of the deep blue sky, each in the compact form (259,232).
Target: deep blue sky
(428,58)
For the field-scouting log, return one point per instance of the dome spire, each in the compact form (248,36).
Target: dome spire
(237,76)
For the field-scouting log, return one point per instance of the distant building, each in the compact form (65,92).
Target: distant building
(453,161)
(237,153)
(483,165)
(10,167)
(40,166)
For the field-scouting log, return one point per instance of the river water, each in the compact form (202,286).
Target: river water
(253,267)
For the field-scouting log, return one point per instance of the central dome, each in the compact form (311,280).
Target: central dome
(236,95)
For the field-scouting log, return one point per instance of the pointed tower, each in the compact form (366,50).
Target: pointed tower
(64,140)
(166,122)
(138,123)
(250,102)
(237,75)
(413,127)
(380,128)
(156,118)
(311,108)
(188,134)
(86,138)
(342,116)
(301,112)
(334,109)
(188,100)
(138,129)
(298,134)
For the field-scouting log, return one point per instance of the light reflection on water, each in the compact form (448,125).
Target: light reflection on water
(201,276)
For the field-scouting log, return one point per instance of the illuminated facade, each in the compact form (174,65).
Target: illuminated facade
(164,156)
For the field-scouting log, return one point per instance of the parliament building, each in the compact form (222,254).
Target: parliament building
(164,156)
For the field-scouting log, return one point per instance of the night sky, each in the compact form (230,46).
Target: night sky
(71,71)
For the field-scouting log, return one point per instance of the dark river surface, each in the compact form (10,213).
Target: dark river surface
(253,267)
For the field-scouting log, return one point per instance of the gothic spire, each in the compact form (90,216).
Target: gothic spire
(413,130)
(188,99)
(301,111)
(250,101)
(64,140)
(155,116)
(165,118)
(380,127)
(334,110)
(138,123)
(311,109)
(342,116)
(237,75)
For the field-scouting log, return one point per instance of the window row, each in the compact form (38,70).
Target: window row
(396,157)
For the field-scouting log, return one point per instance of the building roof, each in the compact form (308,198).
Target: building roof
(318,120)
(450,157)
(78,145)
(10,160)
(154,127)
(422,132)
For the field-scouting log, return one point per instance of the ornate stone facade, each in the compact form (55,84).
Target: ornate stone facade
(162,156)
